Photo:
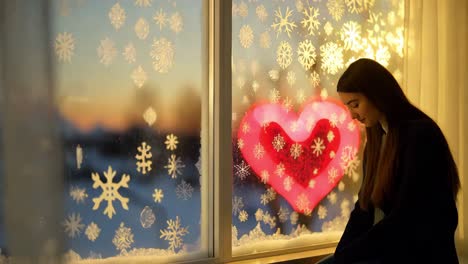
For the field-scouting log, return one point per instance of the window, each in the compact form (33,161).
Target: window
(144,141)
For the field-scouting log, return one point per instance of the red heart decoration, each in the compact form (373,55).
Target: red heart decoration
(303,157)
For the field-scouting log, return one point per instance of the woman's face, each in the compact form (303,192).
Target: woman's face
(361,108)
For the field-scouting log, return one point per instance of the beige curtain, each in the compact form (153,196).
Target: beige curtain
(436,80)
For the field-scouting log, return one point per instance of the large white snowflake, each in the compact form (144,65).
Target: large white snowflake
(92,231)
(306,54)
(123,238)
(351,36)
(242,170)
(332,57)
(64,46)
(162,53)
(176,23)
(246,36)
(282,23)
(117,16)
(311,21)
(78,194)
(110,191)
(174,166)
(141,28)
(143,158)
(284,54)
(73,225)
(106,51)
(184,190)
(174,233)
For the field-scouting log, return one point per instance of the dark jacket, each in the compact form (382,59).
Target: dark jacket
(420,221)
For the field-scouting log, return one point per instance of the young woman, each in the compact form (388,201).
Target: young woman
(406,209)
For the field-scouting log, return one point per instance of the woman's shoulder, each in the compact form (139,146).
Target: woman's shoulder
(421,129)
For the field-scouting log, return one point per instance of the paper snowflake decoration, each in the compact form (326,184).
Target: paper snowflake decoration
(150,116)
(283,214)
(284,54)
(261,12)
(160,19)
(336,9)
(117,16)
(242,170)
(243,9)
(280,169)
(171,142)
(259,215)
(322,212)
(176,23)
(332,197)
(64,46)
(332,57)
(318,147)
(282,23)
(78,194)
(296,150)
(259,151)
(143,158)
(123,238)
(174,166)
(303,204)
(139,76)
(237,205)
(106,51)
(243,216)
(174,233)
(147,217)
(73,225)
(141,28)
(110,191)
(265,40)
(351,36)
(129,53)
(246,36)
(311,21)
(158,195)
(92,231)
(143,3)
(184,190)
(306,54)
(162,53)
(332,175)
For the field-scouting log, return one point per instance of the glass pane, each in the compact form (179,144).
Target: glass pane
(297,152)
(131,76)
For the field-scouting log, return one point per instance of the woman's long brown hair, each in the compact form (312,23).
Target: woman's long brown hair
(371,79)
